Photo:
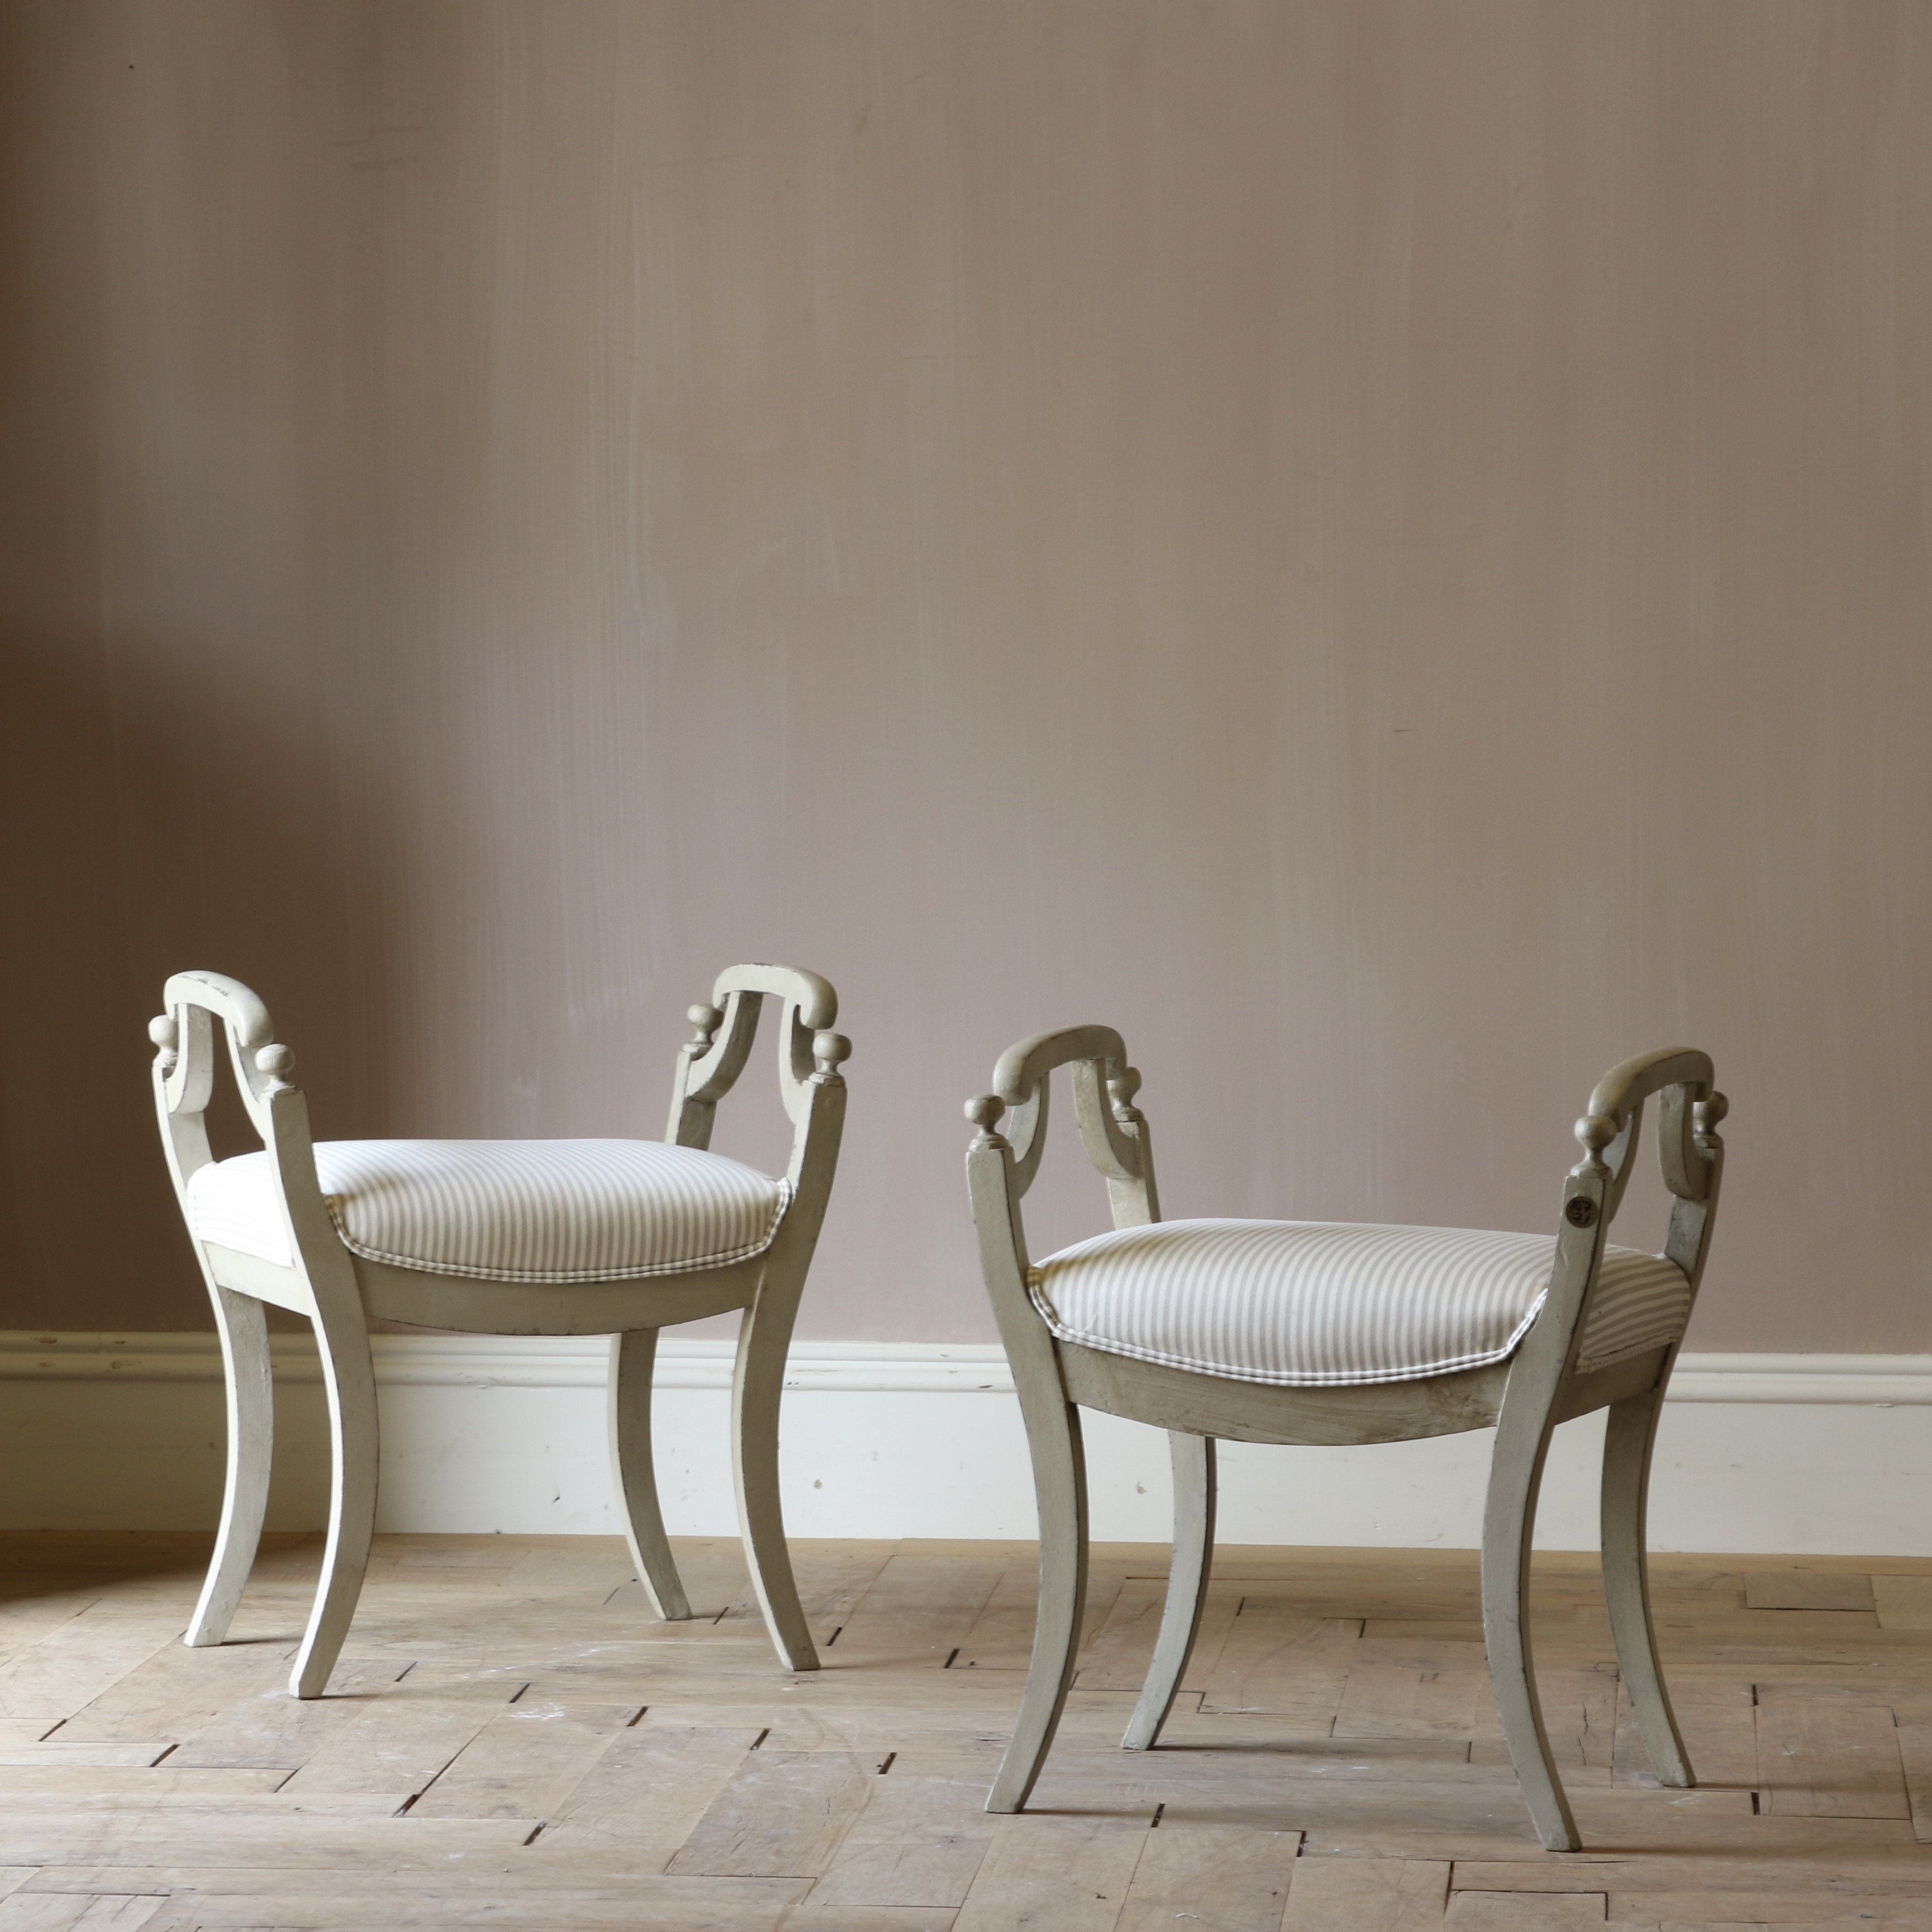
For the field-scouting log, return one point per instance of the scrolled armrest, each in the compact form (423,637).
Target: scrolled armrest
(1608,1132)
(1111,1128)
(228,999)
(185,1062)
(818,1004)
(1629,1084)
(1021,1067)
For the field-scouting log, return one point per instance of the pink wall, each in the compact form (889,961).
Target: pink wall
(1381,549)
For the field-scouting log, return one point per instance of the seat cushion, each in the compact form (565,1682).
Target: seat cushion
(1311,1303)
(508,1210)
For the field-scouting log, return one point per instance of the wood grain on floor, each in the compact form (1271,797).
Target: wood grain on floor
(512,1740)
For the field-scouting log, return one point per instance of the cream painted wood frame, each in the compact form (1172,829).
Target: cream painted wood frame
(1526,1395)
(340,1291)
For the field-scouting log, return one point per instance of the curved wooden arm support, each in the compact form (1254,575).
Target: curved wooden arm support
(319,1282)
(1023,1064)
(1636,1079)
(818,1004)
(1614,1121)
(809,1053)
(1544,1372)
(198,997)
(1111,1128)
(184,1079)
(227,998)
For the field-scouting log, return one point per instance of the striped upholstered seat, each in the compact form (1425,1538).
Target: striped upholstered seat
(537,1211)
(1307,1303)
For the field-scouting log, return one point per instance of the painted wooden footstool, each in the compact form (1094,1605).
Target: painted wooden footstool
(1319,1333)
(500,1237)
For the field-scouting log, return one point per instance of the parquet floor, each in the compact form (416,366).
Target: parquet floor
(514,1742)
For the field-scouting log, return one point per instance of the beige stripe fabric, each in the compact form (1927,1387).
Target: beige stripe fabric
(1309,1303)
(508,1210)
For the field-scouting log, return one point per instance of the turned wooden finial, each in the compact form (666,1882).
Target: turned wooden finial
(166,1034)
(278,1062)
(984,1111)
(1706,1114)
(706,1020)
(1120,1090)
(1595,1132)
(828,1050)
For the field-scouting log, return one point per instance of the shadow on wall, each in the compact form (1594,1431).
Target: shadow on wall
(154,824)
(178,789)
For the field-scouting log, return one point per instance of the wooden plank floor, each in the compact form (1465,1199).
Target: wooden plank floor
(512,1741)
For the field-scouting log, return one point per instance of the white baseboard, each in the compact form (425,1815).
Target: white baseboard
(1809,1454)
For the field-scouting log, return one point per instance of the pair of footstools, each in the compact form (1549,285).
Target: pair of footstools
(1257,1331)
